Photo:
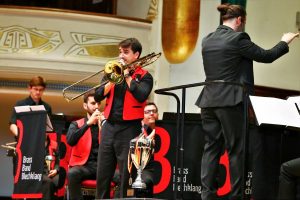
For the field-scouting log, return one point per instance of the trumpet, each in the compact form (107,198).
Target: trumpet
(112,72)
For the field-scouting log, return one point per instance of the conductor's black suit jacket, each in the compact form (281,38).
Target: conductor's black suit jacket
(228,55)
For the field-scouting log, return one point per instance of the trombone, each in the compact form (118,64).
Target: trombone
(113,72)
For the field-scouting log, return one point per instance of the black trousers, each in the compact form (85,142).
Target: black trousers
(289,173)
(223,128)
(76,175)
(265,145)
(113,150)
(49,186)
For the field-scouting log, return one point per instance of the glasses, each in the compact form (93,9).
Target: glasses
(38,88)
(150,111)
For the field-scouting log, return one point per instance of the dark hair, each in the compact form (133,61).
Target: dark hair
(151,104)
(87,95)
(229,11)
(133,43)
(37,81)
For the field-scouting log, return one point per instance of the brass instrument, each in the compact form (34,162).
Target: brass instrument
(10,148)
(113,72)
(49,159)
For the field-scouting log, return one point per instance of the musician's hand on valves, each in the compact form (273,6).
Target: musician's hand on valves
(127,73)
(102,119)
(107,87)
(94,118)
(289,37)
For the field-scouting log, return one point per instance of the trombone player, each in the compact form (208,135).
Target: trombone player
(123,111)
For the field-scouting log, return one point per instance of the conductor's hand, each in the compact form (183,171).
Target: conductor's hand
(94,118)
(288,37)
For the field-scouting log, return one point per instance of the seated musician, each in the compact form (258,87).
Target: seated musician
(148,129)
(83,136)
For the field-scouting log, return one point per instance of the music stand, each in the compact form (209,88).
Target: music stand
(32,123)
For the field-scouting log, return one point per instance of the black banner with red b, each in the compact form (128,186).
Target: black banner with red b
(168,180)
(30,151)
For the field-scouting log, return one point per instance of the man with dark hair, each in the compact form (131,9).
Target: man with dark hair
(149,129)
(124,109)
(36,87)
(83,136)
(228,55)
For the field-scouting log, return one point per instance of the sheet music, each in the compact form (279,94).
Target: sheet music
(37,107)
(20,109)
(295,99)
(269,110)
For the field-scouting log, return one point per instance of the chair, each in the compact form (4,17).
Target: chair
(88,189)
(60,190)
(65,152)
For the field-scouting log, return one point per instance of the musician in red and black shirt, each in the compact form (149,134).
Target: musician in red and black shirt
(123,111)
(83,135)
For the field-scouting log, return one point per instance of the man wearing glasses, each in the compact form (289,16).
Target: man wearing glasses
(36,88)
(149,130)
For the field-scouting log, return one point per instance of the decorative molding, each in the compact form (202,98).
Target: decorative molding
(23,84)
(94,46)
(153,10)
(17,39)
(85,42)
(53,75)
(75,15)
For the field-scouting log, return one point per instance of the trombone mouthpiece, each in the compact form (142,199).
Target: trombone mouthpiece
(122,62)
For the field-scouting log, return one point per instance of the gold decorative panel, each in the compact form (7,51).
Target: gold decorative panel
(95,46)
(153,10)
(18,39)
(180,27)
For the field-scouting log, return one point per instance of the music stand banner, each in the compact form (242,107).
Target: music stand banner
(167,178)
(30,151)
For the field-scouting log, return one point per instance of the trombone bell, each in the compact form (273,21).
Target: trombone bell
(114,71)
